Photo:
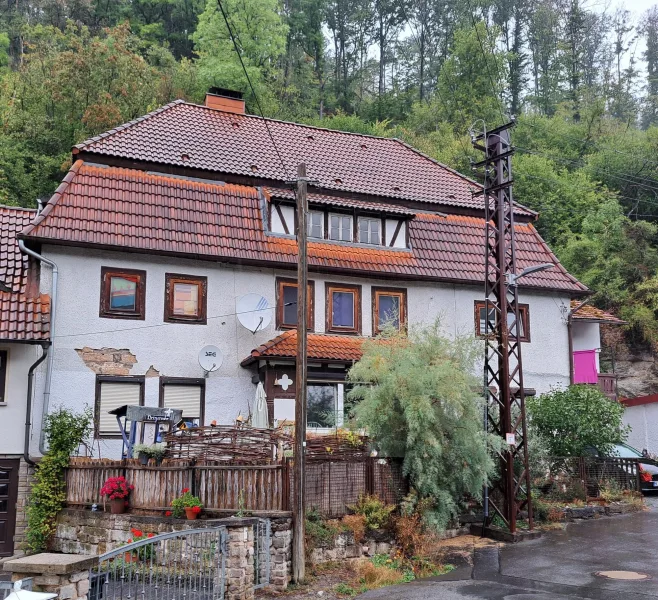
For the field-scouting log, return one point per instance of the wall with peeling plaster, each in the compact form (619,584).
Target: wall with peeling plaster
(87,344)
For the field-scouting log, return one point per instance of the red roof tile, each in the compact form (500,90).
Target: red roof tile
(321,346)
(591,313)
(13,263)
(129,209)
(198,137)
(22,318)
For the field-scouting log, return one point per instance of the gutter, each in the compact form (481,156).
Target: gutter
(570,335)
(28,409)
(53,309)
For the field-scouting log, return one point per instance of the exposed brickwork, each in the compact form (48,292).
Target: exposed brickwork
(107,361)
(25,480)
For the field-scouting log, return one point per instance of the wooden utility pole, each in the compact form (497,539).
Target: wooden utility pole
(298,548)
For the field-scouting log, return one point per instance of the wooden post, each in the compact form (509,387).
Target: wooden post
(298,553)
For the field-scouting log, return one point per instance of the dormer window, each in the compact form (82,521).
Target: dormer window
(369,230)
(340,228)
(315,224)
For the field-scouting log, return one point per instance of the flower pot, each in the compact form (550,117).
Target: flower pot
(118,506)
(129,557)
(190,514)
(158,461)
(143,458)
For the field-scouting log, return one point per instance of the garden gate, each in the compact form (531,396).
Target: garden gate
(188,565)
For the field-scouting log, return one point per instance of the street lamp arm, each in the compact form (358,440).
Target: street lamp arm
(512,278)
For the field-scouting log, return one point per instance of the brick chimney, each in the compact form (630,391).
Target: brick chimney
(226,100)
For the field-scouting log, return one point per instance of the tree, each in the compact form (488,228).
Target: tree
(574,421)
(416,399)
(650,31)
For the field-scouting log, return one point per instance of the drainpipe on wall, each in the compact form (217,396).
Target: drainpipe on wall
(570,333)
(53,308)
(28,410)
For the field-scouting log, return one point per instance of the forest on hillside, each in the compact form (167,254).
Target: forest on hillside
(582,82)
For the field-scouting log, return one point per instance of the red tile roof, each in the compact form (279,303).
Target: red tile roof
(593,314)
(13,263)
(22,318)
(343,348)
(129,209)
(198,137)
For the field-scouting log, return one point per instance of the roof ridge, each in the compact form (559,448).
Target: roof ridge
(23,208)
(127,125)
(59,192)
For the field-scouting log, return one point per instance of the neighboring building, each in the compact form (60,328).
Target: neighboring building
(587,364)
(163,224)
(24,339)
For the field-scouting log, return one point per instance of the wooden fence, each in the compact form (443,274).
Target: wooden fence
(331,486)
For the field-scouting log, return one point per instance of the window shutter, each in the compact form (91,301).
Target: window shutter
(113,395)
(185,397)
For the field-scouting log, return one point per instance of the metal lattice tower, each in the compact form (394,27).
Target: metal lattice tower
(503,373)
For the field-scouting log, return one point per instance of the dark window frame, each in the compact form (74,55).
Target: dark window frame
(100,379)
(105,312)
(282,282)
(173,278)
(376,292)
(331,287)
(4,371)
(524,317)
(188,381)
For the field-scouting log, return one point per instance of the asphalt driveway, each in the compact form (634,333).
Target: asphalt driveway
(559,566)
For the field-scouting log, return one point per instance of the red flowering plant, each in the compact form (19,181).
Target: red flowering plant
(186,500)
(143,552)
(116,487)
(645,475)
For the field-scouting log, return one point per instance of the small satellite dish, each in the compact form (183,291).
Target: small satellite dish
(253,312)
(210,358)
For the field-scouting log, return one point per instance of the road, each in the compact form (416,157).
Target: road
(559,566)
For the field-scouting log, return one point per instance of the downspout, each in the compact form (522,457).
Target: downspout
(570,334)
(28,410)
(53,308)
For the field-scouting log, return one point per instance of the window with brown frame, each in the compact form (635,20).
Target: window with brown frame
(286,303)
(113,392)
(4,358)
(343,308)
(122,294)
(524,321)
(188,395)
(389,309)
(185,299)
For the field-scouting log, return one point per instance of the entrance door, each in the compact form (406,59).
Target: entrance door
(8,497)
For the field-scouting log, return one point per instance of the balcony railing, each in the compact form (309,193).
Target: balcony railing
(608,385)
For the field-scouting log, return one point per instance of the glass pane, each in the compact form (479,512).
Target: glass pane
(321,405)
(389,311)
(363,231)
(334,234)
(492,320)
(4,475)
(123,294)
(290,305)
(511,325)
(186,299)
(315,224)
(342,309)
(3,506)
(346,233)
(374,232)
(4,489)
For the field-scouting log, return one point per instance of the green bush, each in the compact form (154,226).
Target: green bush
(376,512)
(65,432)
(573,421)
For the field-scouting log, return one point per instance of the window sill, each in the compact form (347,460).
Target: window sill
(3,404)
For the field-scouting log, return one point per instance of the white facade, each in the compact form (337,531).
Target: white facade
(644,432)
(12,410)
(172,349)
(587,336)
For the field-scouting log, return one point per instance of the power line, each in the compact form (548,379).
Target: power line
(253,91)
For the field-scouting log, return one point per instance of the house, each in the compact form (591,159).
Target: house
(166,227)
(24,343)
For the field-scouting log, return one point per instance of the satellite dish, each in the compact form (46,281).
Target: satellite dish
(253,312)
(210,358)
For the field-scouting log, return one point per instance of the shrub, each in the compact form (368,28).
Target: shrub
(376,513)
(186,500)
(356,524)
(319,533)
(576,420)
(611,491)
(65,432)
(415,398)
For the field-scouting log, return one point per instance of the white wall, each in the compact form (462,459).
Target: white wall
(172,348)
(12,411)
(643,420)
(586,336)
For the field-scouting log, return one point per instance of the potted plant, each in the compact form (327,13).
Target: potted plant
(141,553)
(157,452)
(187,504)
(142,452)
(117,490)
